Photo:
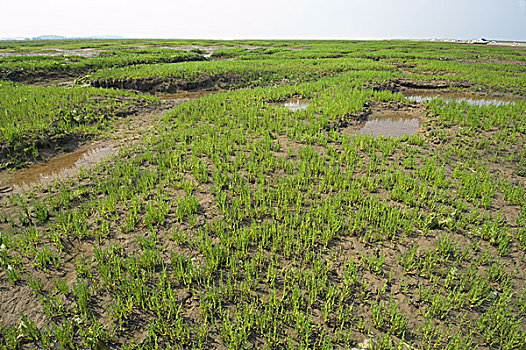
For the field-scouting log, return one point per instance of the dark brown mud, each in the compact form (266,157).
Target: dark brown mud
(19,154)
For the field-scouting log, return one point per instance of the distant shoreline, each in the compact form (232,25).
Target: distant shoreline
(513,43)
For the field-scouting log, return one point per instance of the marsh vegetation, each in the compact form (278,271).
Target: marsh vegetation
(262,213)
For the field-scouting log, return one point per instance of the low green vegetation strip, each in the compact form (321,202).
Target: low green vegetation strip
(487,68)
(241,224)
(31,68)
(33,117)
(241,67)
(131,44)
(226,74)
(484,76)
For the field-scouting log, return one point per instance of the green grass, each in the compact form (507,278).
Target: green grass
(27,68)
(32,117)
(237,223)
(233,73)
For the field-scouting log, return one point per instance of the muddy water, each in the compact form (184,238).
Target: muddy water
(393,125)
(59,167)
(296,105)
(388,122)
(422,96)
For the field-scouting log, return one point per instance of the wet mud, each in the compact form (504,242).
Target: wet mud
(59,167)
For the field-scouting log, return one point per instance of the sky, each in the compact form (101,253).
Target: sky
(267,19)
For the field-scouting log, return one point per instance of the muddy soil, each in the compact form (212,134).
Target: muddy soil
(445,89)
(400,85)
(59,167)
(20,299)
(47,146)
(67,165)
(128,133)
(383,119)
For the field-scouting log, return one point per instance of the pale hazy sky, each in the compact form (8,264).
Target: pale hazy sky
(267,19)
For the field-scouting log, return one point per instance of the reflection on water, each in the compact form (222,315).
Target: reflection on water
(421,96)
(296,105)
(57,168)
(393,125)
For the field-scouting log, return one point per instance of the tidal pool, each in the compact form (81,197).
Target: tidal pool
(59,167)
(393,125)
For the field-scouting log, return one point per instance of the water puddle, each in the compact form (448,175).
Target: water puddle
(393,125)
(422,96)
(60,167)
(296,105)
